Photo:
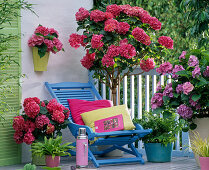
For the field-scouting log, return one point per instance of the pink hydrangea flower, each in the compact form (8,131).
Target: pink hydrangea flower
(66,113)
(88,60)
(179,88)
(141,36)
(192,102)
(196,72)
(58,116)
(122,28)
(18,123)
(157,100)
(52,31)
(96,41)
(51,104)
(147,65)
(82,14)
(43,104)
(76,40)
(18,137)
(124,41)
(154,23)
(145,18)
(111,25)
(32,109)
(97,15)
(113,51)
(29,126)
(182,56)
(29,99)
(35,40)
(28,138)
(166,42)
(159,87)
(49,44)
(108,15)
(168,91)
(176,69)
(114,9)
(193,61)
(187,88)
(42,30)
(41,121)
(107,61)
(185,112)
(125,8)
(50,129)
(206,72)
(165,68)
(127,50)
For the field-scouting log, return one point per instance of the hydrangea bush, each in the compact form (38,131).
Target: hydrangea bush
(46,40)
(188,93)
(39,119)
(118,40)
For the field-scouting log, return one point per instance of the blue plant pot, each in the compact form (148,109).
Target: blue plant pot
(156,152)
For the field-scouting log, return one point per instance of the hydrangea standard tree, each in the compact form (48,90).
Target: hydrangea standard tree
(118,40)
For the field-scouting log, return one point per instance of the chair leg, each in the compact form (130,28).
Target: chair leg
(93,159)
(139,155)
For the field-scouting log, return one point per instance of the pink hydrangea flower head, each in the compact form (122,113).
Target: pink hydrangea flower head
(157,100)
(50,106)
(154,23)
(127,50)
(18,137)
(193,61)
(54,32)
(29,99)
(96,41)
(32,109)
(166,42)
(187,87)
(108,15)
(192,102)
(147,65)
(176,69)
(125,8)
(184,111)
(75,40)
(145,18)
(29,126)
(35,40)
(182,56)
(57,43)
(18,123)
(82,14)
(196,72)
(66,113)
(111,25)
(43,104)
(107,61)
(88,60)
(42,30)
(49,44)
(41,121)
(179,88)
(97,15)
(124,41)
(122,28)
(168,91)
(50,129)
(206,72)
(58,116)
(141,36)
(113,51)
(159,87)
(28,138)
(114,9)
(165,68)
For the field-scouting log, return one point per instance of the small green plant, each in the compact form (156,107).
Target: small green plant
(51,147)
(164,128)
(29,167)
(200,146)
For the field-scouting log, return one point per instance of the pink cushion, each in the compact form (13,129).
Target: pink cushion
(77,107)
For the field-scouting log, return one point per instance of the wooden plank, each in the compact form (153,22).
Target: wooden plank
(132,96)
(125,90)
(147,93)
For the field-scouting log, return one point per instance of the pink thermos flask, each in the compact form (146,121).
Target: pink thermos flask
(82,149)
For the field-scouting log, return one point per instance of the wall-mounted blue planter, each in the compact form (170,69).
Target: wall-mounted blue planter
(156,152)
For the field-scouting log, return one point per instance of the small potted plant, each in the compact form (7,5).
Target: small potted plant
(52,149)
(200,147)
(159,143)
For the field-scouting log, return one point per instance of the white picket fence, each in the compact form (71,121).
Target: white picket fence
(142,87)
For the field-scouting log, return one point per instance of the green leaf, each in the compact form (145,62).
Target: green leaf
(176,95)
(43,110)
(183,73)
(42,49)
(185,129)
(158,110)
(108,38)
(193,126)
(166,99)
(202,82)
(196,97)
(174,103)
(91,50)
(184,97)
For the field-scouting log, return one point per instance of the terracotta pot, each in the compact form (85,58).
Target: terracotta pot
(204,163)
(202,129)
(40,63)
(52,162)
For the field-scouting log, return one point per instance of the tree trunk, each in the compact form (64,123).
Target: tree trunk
(114,90)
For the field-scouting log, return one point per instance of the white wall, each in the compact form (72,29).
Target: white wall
(63,66)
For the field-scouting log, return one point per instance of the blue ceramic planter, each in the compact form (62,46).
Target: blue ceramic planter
(156,152)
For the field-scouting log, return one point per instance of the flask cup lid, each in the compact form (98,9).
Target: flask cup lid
(82,132)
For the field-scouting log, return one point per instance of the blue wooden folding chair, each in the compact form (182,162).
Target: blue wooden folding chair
(117,139)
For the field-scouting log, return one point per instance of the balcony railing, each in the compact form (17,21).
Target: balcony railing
(136,92)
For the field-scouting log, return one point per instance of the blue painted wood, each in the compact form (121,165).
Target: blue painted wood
(87,91)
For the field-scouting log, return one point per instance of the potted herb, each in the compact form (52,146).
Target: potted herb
(158,144)
(200,147)
(52,149)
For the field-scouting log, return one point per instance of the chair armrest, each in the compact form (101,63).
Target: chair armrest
(138,126)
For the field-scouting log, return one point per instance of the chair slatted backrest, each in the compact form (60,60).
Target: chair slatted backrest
(72,90)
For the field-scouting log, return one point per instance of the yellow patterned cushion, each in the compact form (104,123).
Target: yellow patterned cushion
(90,117)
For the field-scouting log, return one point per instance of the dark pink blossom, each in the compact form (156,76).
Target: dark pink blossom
(50,129)
(18,137)
(184,111)
(165,68)
(122,28)
(154,23)
(176,69)
(147,65)
(111,25)
(179,88)
(124,41)
(96,41)
(41,121)
(88,60)
(193,61)
(52,31)
(35,40)
(29,126)
(108,15)
(97,15)
(58,116)
(82,14)
(76,40)
(192,102)
(107,61)
(141,36)
(51,105)
(113,51)
(32,109)
(206,72)
(187,87)
(182,56)
(18,123)
(196,72)
(114,9)
(168,91)
(42,30)
(28,138)
(157,100)
(127,50)
(166,42)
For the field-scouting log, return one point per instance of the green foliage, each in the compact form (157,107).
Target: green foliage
(54,168)
(51,147)
(29,167)
(164,129)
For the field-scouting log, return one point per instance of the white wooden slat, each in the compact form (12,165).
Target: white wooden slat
(147,93)
(161,80)
(103,90)
(117,102)
(169,79)
(139,96)
(125,90)
(132,96)
(154,83)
